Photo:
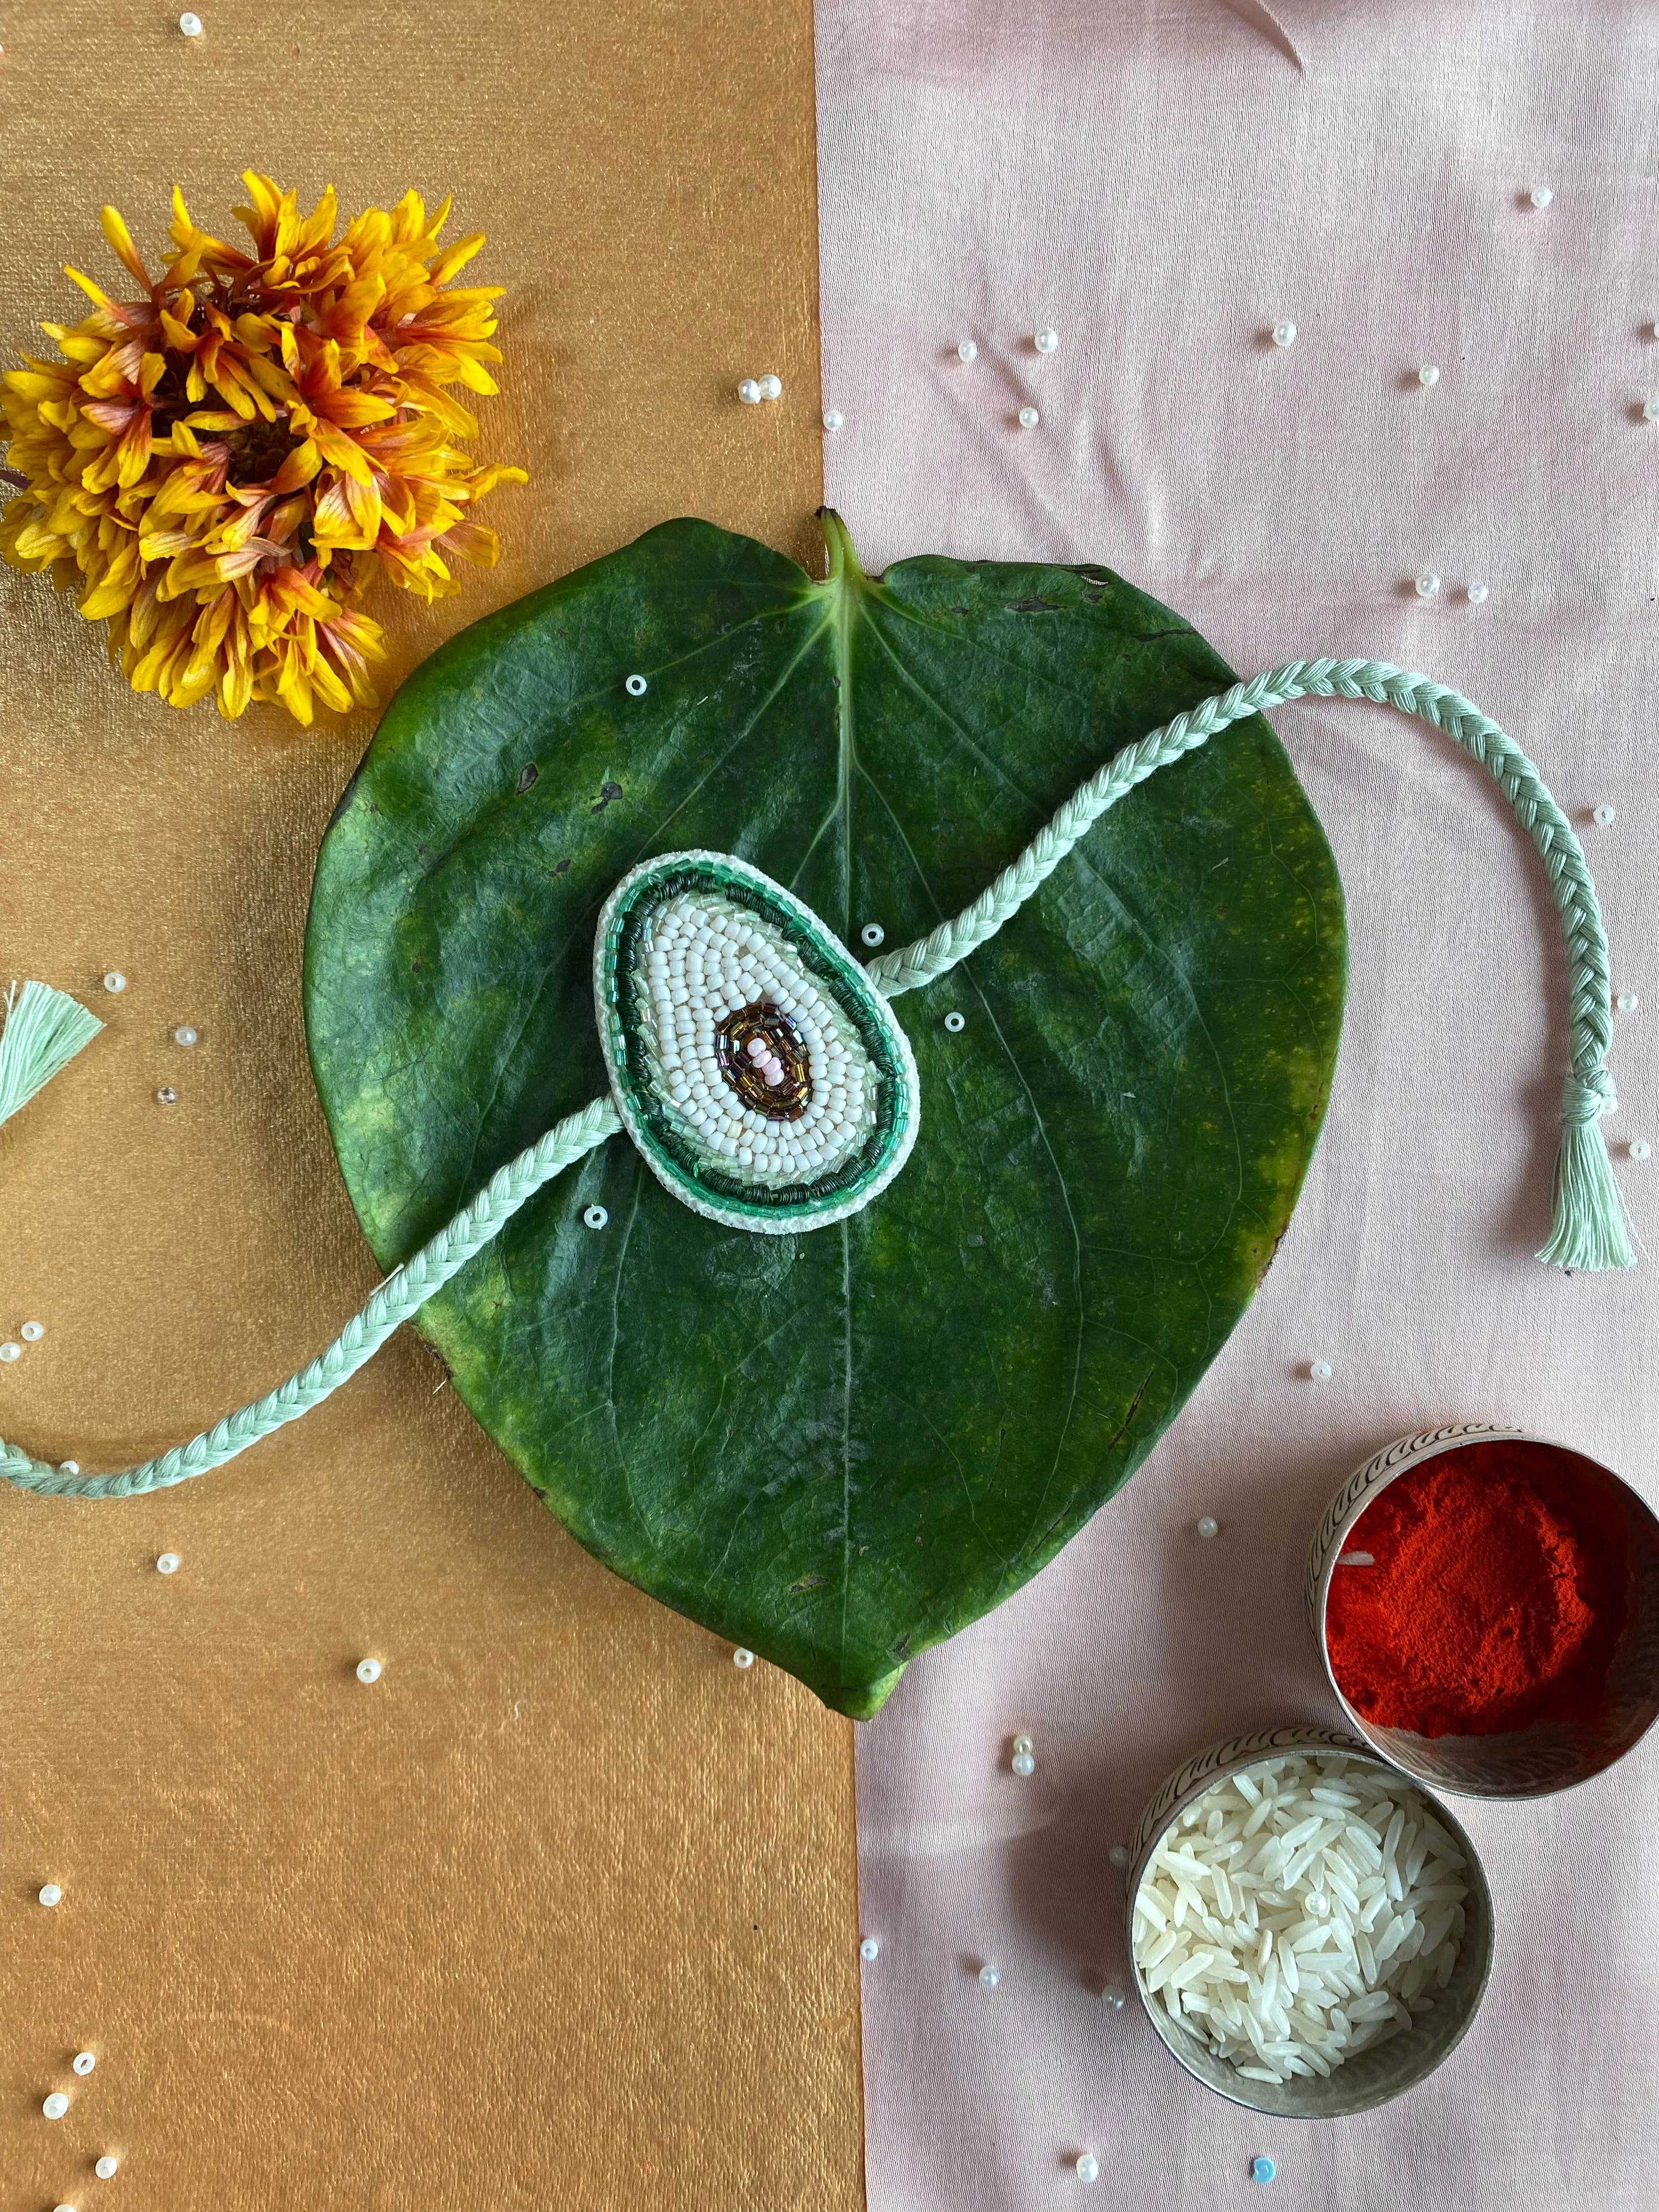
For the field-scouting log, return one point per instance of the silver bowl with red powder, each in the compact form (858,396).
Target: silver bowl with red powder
(1590,1611)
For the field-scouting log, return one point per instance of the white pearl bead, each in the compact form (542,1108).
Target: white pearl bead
(956,1024)
(771,387)
(1541,196)
(56,2105)
(69,1466)
(11,1352)
(1028,418)
(742,1657)
(1478,595)
(184,1034)
(1428,585)
(1284,334)
(967,350)
(1024,1743)
(1650,409)
(1118,1855)
(1208,1525)
(1046,341)
(1088,2168)
(1319,1371)
(989,1977)
(1428,374)
(834,419)
(873,933)
(1112,1997)
(108,2168)
(1023,1764)
(594,1217)
(869,1948)
(167,1564)
(166,1095)
(31,1332)
(115,980)
(1604,814)
(83,2062)
(1627,1002)
(1639,1148)
(750,392)
(191,25)
(368,1671)
(636,686)
(50,1894)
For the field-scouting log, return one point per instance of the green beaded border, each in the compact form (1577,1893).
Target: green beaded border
(646,1111)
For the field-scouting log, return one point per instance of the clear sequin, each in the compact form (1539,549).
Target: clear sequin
(636,686)
(872,933)
(956,1024)
(1319,1371)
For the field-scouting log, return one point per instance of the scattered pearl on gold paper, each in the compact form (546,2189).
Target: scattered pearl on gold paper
(167,1564)
(50,1894)
(749,392)
(108,2168)
(56,2105)
(184,1034)
(83,2062)
(11,1352)
(31,1332)
(742,1657)
(115,980)
(368,1671)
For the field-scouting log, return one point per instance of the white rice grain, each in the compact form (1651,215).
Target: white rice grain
(1300,1913)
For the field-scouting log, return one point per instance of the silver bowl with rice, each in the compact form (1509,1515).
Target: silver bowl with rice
(1344,1987)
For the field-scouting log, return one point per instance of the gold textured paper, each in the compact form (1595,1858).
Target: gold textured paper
(561,1912)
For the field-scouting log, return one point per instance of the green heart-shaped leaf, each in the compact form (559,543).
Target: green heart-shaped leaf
(840,1446)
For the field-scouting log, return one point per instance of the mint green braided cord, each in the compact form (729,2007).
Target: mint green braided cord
(1588,1231)
(401,1295)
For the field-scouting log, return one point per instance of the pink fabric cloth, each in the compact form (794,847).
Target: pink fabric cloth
(1163,183)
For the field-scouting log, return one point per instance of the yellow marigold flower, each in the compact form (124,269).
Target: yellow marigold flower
(222,467)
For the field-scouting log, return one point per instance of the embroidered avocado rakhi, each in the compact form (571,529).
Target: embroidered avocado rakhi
(827,1062)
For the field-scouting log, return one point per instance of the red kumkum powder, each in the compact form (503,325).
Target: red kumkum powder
(1496,1599)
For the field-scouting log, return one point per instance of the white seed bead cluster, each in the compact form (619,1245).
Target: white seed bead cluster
(705,957)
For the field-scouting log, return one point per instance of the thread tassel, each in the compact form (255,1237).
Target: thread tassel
(1588,1231)
(43,1031)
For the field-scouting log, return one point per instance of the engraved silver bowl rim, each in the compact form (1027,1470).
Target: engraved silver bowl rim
(1531,1763)
(1385,2071)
